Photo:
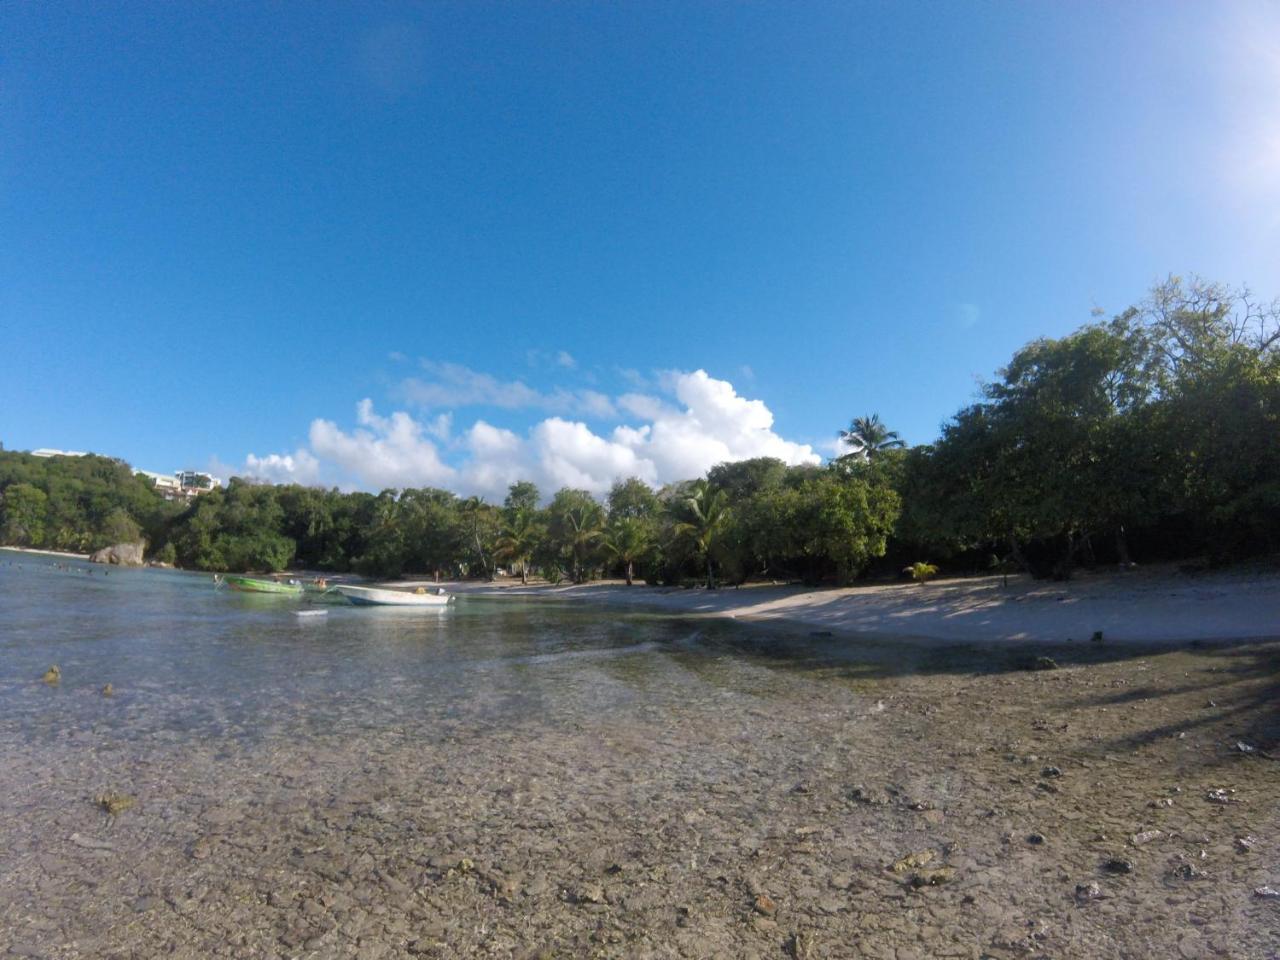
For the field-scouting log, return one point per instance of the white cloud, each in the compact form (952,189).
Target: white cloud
(708,423)
(565,359)
(297,467)
(383,451)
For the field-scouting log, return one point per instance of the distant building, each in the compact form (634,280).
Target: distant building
(193,482)
(167,484)
(47,452)
(182,484)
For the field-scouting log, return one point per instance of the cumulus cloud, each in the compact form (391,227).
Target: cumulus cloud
(297,467)
(702,422)
(382,451)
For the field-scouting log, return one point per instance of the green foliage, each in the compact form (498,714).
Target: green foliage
(922,572)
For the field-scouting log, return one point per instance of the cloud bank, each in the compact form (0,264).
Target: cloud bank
(695,422)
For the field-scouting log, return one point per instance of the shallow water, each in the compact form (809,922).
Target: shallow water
(188,661)
(521,778)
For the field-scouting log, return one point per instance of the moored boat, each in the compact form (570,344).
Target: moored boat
(381,596)
(256,585)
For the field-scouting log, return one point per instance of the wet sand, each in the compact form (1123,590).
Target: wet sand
(728,806)
(1148,605)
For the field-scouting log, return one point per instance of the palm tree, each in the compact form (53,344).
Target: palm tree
(627,540)
(706,517)
(868,436)
(518,540)
(584,530)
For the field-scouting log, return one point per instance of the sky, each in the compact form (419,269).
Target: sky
(455,244)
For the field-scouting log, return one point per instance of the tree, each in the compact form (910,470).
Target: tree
(632,498)
(703,518)
(575,526)
(628,540)
(519,538)
(24,508)
(867,436)
(521,495)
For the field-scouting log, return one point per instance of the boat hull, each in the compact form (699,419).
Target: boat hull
(380,597)
(254,585)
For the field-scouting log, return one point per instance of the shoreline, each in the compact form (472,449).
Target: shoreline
(48,553)
(1157,606)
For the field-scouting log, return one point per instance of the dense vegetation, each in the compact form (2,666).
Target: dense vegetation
(1154,434)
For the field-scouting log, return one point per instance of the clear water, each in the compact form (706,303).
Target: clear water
(188,661)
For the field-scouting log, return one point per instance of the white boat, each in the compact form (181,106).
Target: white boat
(380,596)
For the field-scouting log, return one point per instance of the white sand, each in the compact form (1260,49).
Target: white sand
(1152,605)
(47,553)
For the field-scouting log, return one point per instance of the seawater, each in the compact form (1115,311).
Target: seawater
(187,660)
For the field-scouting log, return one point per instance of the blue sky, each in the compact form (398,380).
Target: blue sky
(448,243)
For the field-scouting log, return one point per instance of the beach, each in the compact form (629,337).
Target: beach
(538,777)
(1156,605)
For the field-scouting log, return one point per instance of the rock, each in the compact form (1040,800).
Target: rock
(120,554)
(1244,747)
(765,906)
(1266,893)
(1223,796)
(108,691)
(1187,871)
(114,803)
(1088,891)
(1051,772)
(89,843)
(1117,865)
(201,849)
(53,676)
(876,798)
(913,860)
(1035,839)
(1146,836)
(932,878)
(1245,844)
(590,893)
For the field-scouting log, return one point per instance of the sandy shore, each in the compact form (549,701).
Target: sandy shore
(1149,606)
(45,553)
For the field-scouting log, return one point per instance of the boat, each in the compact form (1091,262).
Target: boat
(254,585)
(381,596)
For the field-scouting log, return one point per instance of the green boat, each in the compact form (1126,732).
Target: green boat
(254,585)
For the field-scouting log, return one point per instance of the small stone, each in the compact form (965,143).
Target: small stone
(591,893)
(801,787)
(1244,747)
(1051,772)
(1162,802)
(1245,844)
(1187,871)
(913,860)
(466,865)
(765,906)
(932,878)
(108,691)
(200,850)
(114,803)
(53,675)
(1117,865)
(1088,891)
(1220,795)
(1266,893)
(1035,839)
(1145,837)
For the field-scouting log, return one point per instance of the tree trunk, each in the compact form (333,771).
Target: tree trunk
(1122,547)
(630,572)
(711,583)
(524,574)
